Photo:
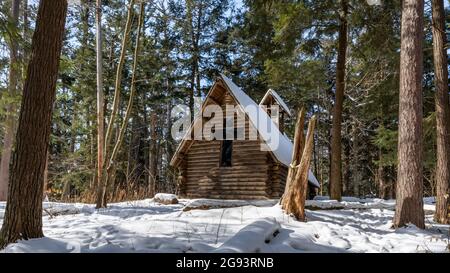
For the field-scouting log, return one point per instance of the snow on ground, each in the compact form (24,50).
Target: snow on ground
(165,198)
(323,202)
(353,225)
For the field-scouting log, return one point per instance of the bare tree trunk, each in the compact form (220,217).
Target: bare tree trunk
(93,157)
(153,162)
(23,215)
(134,165)
(197,47)
(66,191)
(25,19)
(409,206)
(171,179)
(442,112)
(25,52)
(347,175)
(390,176)
(357,175)
(190,14)
(100,96)
(117,87)
(384,187)
(110,166)
(10,124)
(336,161)
(102,184)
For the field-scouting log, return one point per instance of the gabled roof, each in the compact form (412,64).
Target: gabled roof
(281,149)
(272,93)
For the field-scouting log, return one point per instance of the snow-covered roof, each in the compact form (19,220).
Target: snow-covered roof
(272,93)
(281,149)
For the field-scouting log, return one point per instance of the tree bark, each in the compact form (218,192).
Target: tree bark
(442,112)
(336,138)
(102,185)
(384,187)
(190,26)
(25,20)
(118,81)
(357,174)
(347,175)
(25,29)
(197,47)
(110,166)
(10,124)
(134,164)
(100,95)
(296,152)
(409,206)
(47,158)
(23,215)
(296,196)
(153,162)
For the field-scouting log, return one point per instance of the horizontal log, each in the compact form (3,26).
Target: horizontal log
(202,143)
(233,188)
(228,178)
(238,184)
(239,192)
(243,169)
(236,154)
(207,162)
(256,164)
(199,157)
(202,164)
(241,144)
(205,158)
(236,149)
(238,197)
(204,151)
(224,179)
(248,149)
(258,154)
(262,184)
(200,172)
(253,184)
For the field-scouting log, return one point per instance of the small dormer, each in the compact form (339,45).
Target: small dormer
(272,98)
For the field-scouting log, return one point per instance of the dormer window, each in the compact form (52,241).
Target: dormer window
(272,98)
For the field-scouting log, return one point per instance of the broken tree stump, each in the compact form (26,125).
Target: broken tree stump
(296,151)
(295,195)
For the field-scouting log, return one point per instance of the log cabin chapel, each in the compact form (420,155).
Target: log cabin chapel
(241,168)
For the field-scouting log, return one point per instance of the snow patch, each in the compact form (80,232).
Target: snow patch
(219,203)
(166,198)
(252,238)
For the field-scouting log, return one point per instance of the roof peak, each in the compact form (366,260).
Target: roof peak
(272,93)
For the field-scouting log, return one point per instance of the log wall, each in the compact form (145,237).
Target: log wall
(247,178)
